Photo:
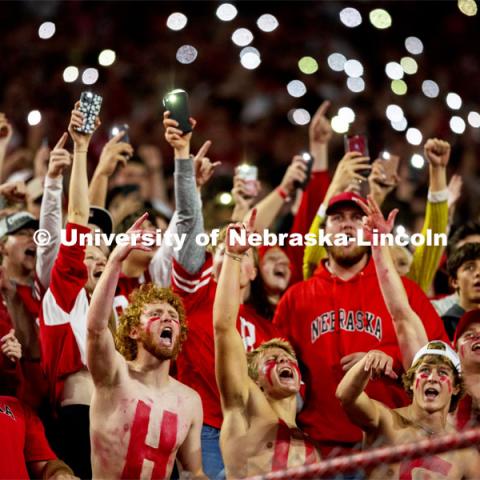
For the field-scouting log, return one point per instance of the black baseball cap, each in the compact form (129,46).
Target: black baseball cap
(102,219)
(17,221)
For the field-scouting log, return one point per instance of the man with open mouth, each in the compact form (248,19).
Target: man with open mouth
(258,390)
(141,417)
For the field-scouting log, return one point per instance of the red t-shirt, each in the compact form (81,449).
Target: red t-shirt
(23,439)
(308,316)
(196,361)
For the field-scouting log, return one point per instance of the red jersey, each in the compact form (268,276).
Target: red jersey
(326,318)
(23,439)
(196,361)
(63,316)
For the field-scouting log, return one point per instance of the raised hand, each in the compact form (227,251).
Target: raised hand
(60,158)
(437,152)
(348,171)
(320,130)
(136,241)
(81,140)
(113,153)
(179,141)
(237,247)
(296,172)
(374,217)
(14,191)
(242,195)
(348,361)
(204,168)
(379,364)
(10,346)
(454,189)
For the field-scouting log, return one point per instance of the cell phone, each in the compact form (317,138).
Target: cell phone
(176,102)
(249,174)
(116,129)
(390,164)
(308,159)
(357,143)
(90,105)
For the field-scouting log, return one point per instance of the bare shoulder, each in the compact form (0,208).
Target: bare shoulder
(187,392)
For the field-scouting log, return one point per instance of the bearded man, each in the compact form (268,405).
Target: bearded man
(141,419)
(336,316)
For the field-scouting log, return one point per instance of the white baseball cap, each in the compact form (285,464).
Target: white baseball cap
(432,348)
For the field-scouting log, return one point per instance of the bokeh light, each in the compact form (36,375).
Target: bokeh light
(186,54)
(90,76)
(106,58)
(339,124)
(308,65)
(353,68)
(380,18)
(394,70)
(336,61)
(350,17)
(226,12)
(457,124)
(474,119)
(414,136)
(417,161)
(301,116)
(250,60)
(242,37)
(176,21)
(46,30)
(399,87)
(454,101)
(34,118)
(430,89)
(394,113)
(401,125)
(468,7)
(355,85)
(267,22)
(347,114)
(414,45)
(409,65)
(296,88)
(70,74)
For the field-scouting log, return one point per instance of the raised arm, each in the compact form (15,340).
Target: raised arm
(360,408)
(319,134)
(6,132)
(78,204)
(114,152)
(103,361)
(51,210)
(231,368)
(411,334)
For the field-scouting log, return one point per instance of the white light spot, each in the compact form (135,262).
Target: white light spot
(355,84)
(226,12)
(296,88)
(89,76)
(430,89)
(242,37)
(347,114)
(339,124)
(350,17)
(401,125)
(394,113)
(353,68)
(106,58)
(380,18)
(394,71)
(409,65)
(245,50)
(457,124)
(336,61)
(187,54)
(34,118)
(250,60)
(46,30)
(225,198)
(414,136)
(417,161)
(70,74)
(400,230)
(267,23)
(468,7)
(301,116)
(414,45)
(474,119)
(176,21)
(454,101)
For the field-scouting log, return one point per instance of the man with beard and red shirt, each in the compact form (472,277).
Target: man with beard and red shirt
(140,416)
(332,319)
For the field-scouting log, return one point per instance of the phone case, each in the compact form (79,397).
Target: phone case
(304,184)
(176,102)
(90,105)
(116,129)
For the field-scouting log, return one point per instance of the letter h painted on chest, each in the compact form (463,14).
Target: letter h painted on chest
(139,451)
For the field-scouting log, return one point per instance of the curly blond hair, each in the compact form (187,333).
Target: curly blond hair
(253,356)
(138,299)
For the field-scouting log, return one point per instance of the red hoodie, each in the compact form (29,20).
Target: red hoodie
(306,316)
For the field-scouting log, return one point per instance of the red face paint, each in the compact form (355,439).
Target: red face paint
(268,369)
(448,382)
(294,366)
(150,322)
(462,351)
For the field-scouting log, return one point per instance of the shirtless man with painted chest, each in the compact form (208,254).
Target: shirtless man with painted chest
(257,390)
(141,418)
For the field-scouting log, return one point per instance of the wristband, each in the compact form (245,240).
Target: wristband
(282,193)
(438,197)
(238,258)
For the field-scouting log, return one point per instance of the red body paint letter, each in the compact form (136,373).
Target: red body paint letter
(433,464)
(138,450)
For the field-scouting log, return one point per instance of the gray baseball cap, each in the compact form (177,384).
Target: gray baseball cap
(17,221)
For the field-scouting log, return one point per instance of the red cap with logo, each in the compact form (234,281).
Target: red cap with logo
(344,198)
(466,319)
